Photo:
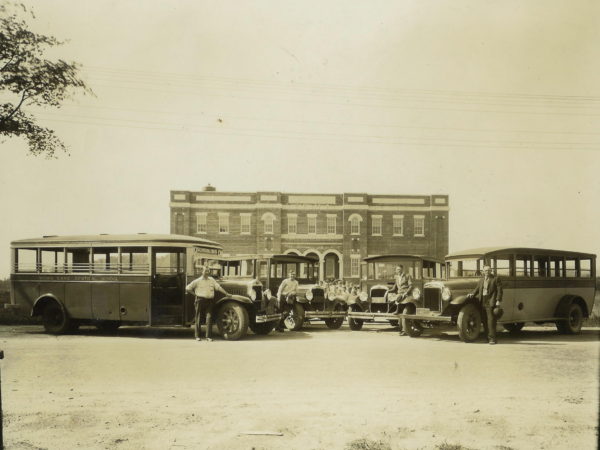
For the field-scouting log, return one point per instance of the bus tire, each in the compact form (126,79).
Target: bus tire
(469,323)
(55,319)
(513,328)
(355,324)
(295,317)
(232,321)
(573,322)
(262,328)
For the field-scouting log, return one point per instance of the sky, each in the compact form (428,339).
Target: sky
(496,104)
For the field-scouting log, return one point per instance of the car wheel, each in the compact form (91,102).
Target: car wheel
(295,317)
(513,328)
(335,323)
(232,321)
(55,319)
(469,323)
(412,327)
(262,328)
(573,322)
(355,324)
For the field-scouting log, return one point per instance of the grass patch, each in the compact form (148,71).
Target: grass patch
(367,444)
(446,446)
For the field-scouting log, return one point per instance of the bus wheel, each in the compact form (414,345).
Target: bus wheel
(55,319)
(469,323)
(295,317)
(232,321)
(355,324)
(574,320)
(108,326)
(262,328)
(513,327)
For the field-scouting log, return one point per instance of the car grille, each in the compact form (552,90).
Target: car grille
(431,298)
(378,292)
(318,295)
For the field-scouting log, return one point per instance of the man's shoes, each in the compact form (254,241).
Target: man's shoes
(198,339)
(492,342)
(402,333)
(208,340)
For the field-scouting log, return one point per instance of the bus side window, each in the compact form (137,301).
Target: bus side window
(502,266)
(585,268)
(570,267)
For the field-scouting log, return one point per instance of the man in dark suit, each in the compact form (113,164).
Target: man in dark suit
(489,293)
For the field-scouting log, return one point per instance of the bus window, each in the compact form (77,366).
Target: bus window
(470,268)
(571,267)
(523,266)
(53,260)
(27,260)
(556,267)
(585,268)
(262,269)
(105,260)
(169,262)
(541,266)
(502,266)
(78,260)
(135,260)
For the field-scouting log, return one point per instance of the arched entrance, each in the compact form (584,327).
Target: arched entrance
(315,275)
(331,269)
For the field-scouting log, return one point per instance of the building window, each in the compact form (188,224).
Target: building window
(355,221)
(292,224)
(245,223)
(312,224)
(355,266)
(268,225)
(201,223)
(376,225)
(331,224)
(398,226)
(419,227)
(223,223)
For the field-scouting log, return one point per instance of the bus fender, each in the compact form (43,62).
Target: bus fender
(562,309)
(42,301)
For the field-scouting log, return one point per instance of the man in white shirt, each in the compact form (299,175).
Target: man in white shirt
(286,294)
(204,289)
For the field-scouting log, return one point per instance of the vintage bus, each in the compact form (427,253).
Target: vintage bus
(112,280)
(539,285)
(375,299)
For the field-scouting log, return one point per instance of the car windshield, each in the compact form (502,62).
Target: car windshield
(466,267)
(386,270)
(230,269)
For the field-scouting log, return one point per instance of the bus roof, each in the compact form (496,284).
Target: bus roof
(490,251)
(103,240)
(393,257)
(275,258)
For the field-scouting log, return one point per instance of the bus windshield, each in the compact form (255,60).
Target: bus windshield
(468,267)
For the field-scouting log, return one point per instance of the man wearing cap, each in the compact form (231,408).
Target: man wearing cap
(204,289)
(285,297)
(489,293)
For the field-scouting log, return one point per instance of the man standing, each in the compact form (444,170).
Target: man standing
(286,294)
(489,293)
(204,289)
(402,286)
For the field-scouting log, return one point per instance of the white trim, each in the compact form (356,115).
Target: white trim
(238,206)
(268,215)
(312,199)
(312,236)
(223,214)
(311,215)
(355,215)
(223,198)
(356,199)
(292,250)
(398,200)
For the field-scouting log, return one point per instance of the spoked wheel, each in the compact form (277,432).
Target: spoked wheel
(355,324)
(574,320)
(232,321)
(412,327)
(469,323)
(335,323)
(55,319)
(295,317)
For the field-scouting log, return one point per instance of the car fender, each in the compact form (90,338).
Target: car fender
(462,299)
(562,308)
(40,302)
(235,298)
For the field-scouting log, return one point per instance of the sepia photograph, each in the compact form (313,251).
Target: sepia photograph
(256,225)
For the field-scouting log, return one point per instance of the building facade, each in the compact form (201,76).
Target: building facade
(338,229)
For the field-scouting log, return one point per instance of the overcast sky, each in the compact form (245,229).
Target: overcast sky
(496,104)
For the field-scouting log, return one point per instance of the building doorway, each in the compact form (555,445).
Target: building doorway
(332,266)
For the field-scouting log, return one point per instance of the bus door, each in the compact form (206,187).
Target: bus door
(168,286)
(502,268)
(104,286)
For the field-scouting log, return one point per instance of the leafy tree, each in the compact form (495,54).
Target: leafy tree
(28,78)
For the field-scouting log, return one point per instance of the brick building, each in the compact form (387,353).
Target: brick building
(339,229)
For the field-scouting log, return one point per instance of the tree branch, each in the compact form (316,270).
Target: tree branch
(23,97)
(7,64)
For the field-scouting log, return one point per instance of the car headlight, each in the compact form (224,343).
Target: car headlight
(252,294)
(416,293)
(331,296)
(363,296)
(446,294)
(309,295)
(268,293)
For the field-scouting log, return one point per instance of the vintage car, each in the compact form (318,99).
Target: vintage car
(376,299)
(312,302)
(248,306)
(539,285)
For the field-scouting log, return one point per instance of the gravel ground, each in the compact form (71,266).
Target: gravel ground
(313,389)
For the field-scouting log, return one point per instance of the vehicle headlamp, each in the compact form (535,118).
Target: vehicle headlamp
(268,293)
(363,296)
(331,296)
(309,295)
(416,293)
(446,294)
(252,294)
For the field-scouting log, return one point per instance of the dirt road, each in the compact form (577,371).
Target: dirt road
(320,389)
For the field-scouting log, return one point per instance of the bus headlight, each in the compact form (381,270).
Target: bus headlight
(331,296)
(446,294)
(309,295)
(416,293)
(363,296)
(252,294)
